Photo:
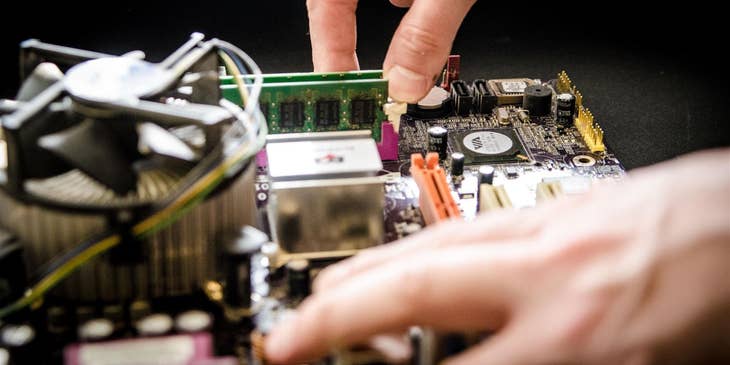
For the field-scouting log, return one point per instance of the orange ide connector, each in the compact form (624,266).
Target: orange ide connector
(435,196)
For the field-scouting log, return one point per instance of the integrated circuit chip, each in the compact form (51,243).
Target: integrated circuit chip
(509,91)
(292,114)
(362,111)
(327,113)
(489,146)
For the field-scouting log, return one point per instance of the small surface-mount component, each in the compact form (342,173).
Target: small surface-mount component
(328,113)
(462,97)
(493,197)
(435,198)
(564,109)
(438,139)
(484,100)
(503,116)
(509,91)
(291,114)
(537,100)
(490,146)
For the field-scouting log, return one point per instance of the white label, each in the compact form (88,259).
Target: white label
(487,142)
(513,86)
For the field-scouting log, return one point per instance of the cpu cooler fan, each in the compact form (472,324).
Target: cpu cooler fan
(111,132)
(141,163)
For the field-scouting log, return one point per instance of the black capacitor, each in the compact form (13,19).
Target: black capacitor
(457,164)
(298,278)
(438,141)
(486,174)
(238,252)
(565,109)
(461,94)
(537,100)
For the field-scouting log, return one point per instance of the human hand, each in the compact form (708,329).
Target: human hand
(630,273)
(417,52)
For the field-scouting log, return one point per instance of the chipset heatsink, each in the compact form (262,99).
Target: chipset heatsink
(489,146)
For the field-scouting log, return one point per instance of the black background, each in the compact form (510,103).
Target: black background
(654,77)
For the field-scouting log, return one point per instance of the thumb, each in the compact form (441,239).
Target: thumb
(421,45)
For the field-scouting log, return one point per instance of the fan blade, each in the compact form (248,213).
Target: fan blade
(93,149)
(198,114)
(160,141)
(42,77)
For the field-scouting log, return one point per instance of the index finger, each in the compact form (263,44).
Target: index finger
(333,32)
(457,288)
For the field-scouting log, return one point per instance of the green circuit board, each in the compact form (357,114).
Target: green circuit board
(317,102)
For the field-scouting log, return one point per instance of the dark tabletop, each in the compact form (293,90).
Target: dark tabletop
(653,78)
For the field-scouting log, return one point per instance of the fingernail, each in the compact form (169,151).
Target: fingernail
(406,85)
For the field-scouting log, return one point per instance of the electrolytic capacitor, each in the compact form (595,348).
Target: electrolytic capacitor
(565,109)
(193,321)
(156,324)
(238,252)
(298,278)
(486,174)
(438,141)
(457,164)
(20,341)
(96,329)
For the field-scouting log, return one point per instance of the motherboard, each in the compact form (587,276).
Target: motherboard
(174,212)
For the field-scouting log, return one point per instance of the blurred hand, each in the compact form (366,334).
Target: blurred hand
(416,55)
(630,273)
